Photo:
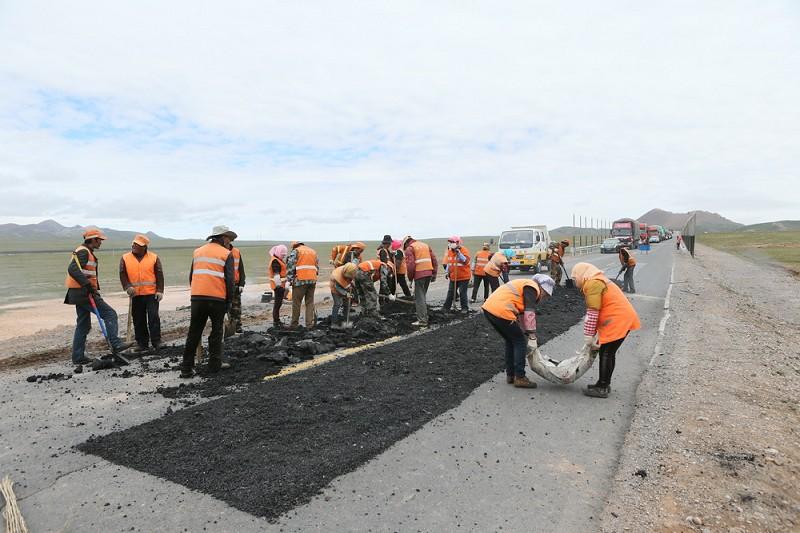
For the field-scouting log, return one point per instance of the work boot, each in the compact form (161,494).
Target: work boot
(139,350)
(157,345)
(597,391)
(522,382)
(186,373)
(84,361)
(472,300)
(239,329)
(420,324)
(510,379)
(123,346)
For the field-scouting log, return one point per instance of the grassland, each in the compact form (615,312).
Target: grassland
(774,247)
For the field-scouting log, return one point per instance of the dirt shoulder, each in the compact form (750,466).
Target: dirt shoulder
(715,442)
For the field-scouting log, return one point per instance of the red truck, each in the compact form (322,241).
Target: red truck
(625,229)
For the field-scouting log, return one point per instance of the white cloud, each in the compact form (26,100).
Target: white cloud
(428,118)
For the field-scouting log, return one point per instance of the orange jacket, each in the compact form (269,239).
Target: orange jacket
(507,301)
(271,274)
(338,276)
(141,274)
(617,316)
(89,270)
(237,259)
(306,266)
(372,266)
(208,271)
(495,265)
(459,269)
(481,259)
(630,262)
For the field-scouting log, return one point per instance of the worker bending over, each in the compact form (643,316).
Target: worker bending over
(494,269)
(628,265)
(341,285)
(142,278)
(367,274)
(511,310)
(609,318)
(83,286)
(557,250)
(456,265)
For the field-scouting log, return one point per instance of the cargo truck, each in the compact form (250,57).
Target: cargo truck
(625,230)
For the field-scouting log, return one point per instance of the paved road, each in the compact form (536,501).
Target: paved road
(505,458)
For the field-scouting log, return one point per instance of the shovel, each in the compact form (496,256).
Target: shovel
(128,334)
(119,358)
(347,324)
(568,282)
(401,300)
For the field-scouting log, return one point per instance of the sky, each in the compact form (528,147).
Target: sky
(343,120)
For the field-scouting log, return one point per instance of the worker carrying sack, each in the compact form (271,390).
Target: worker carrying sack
(562,372)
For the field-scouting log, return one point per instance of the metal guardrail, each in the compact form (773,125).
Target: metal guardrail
(581,250)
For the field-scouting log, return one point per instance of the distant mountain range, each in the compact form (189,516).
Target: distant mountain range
(706,221)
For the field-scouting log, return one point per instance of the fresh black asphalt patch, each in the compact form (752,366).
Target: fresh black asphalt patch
(275,445)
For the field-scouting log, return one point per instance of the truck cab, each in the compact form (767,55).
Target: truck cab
(529,244)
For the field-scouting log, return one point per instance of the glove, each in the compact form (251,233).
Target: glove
(159,296)
(533,343)
(330,261)
(240,288)
(130,291)
(392,297)
(590,343)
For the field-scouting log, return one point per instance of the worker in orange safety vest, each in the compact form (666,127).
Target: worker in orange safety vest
(142,278)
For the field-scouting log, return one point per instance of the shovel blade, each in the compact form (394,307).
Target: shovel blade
(568,283)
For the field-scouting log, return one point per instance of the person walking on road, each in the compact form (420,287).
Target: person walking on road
(341,285)
(511,311)
(142,278)
(276,273)
(211,278)
(678,240)
(458,273)
(494,269)
(478,272)
(628,265)
(235,313)
(82,284)
(421,266)
(609,318)
(303,270)
(400,267)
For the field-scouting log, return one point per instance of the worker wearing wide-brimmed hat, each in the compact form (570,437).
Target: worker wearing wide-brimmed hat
(142,277)
(511,310)
(211,277)
(82,281)
(609,319)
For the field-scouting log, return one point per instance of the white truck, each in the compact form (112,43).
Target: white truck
(529,246)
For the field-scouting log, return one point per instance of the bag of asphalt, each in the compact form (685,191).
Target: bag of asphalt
(561,372)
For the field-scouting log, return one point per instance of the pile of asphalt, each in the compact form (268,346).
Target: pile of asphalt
(276,444)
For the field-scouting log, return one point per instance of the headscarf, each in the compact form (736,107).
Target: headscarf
(508,252)
(545,282)
(279,251)
(397,244)
(455,239)
(584,271)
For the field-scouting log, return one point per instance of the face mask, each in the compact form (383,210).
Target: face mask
(452,245)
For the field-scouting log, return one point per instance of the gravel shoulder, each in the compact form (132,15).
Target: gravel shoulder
(714,443)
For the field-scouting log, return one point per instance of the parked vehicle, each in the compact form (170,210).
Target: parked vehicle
(625,229)
(529,244)
(612,245)
(654,238)
(654,231)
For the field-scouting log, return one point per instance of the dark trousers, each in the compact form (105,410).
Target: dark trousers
(627,281)
(608,359)
(280,294)
(146,322)
(202,310)
(516,343)
(476,282)
(401,280)
(505,276)
(494,282)
(83,325)
(463,288)
(421,298)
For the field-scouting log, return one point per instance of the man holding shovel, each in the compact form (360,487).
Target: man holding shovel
(341,285)
(421,266)
(628,265)
(142,278)
(82,286)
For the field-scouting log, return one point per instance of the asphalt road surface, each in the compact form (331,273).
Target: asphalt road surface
(510,459)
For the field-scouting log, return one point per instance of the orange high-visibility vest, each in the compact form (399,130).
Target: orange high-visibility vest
(237,259)
(481,259)
(401,263)
(422,256)
(631,261)
(338,254)
(271,274)
(306,266)
(617,315)
(461,270)
(208,271)
(493,267)
(507,302)
(373,266)
(89,270)
(338,276)
(141,274)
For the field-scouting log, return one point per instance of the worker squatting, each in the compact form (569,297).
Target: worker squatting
(217,278)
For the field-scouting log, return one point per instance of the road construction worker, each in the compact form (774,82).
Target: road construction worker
(511,311)
(386,256)
(421,268)
(212,282)
(678,240)
(367,274)
(557,259)
(347,253)
(142,277)
(506,267)
(276,273)
(83,288)
(628,265)
(458,272)
(235,313)
(400,267)
(302,273)
(341,285)
(609,318)
(478,272)
(496,267)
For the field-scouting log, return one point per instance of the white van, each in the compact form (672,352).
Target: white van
(529,244)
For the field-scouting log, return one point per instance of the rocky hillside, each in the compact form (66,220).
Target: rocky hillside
(706,221)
